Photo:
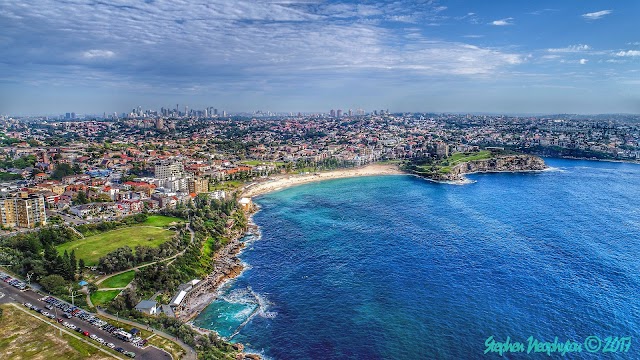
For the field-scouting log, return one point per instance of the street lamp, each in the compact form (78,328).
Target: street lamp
(29,275)
(73,295)
(55,309)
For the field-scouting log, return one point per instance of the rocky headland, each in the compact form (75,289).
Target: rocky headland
(498,163)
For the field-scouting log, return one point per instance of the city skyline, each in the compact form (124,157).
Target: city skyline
(290,56)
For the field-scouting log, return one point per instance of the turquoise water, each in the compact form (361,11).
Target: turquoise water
(397,267)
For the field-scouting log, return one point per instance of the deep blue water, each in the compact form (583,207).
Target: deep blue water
(397,267)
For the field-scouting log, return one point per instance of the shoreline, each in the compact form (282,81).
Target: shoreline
(216,281)
(281,182)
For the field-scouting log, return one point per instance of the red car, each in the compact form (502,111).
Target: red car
(59,320)
(85,333)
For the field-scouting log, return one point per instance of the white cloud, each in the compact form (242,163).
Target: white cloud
(596,15)
(583,61)
(629,53)
(570,49)
(185,44)
(92,54)
(503,22)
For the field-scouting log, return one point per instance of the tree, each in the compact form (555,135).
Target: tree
(54,284)
(81,265)
(61,171)
(81,198)
(73,263)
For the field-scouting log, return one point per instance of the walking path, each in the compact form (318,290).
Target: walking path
(148,264)
(189,351)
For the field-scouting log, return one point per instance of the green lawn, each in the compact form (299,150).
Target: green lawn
(444,166)
(23,337)
(161,220)
(102,297)
(94,247)
(458,158)
(226,185)
(262,162)
(118,281)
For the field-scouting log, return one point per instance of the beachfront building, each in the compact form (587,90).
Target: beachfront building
(149,307)
(245,203)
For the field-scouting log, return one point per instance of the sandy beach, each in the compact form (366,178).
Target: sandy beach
(278,182)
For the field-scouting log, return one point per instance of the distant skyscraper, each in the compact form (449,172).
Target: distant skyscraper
(215,112)
(350,112)
(224,113)
(332,113)
(339,113)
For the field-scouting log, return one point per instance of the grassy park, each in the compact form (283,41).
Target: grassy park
(161,221)
(94,247)
(444,166)
(24,337)
(102,297)
(118,281)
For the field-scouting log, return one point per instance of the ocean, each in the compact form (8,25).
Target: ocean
(397,267)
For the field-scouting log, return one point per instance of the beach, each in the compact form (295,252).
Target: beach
(279,182)
(229,265)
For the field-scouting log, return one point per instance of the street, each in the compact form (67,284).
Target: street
(10,294)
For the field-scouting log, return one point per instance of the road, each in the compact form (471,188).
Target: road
(14,295)
(190,354)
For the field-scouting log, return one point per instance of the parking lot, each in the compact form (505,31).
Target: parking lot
(96,330)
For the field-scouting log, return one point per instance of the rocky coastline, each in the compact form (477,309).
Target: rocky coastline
(499,163)
(227,266)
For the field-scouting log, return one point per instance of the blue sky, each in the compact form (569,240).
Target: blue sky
(286,55)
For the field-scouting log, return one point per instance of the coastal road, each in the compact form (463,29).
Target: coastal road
(190,353)
(13,295)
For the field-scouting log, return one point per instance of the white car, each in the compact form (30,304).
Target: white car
(100,340)
(111,346)
(93,337)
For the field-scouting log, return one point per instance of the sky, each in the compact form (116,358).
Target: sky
(501,56)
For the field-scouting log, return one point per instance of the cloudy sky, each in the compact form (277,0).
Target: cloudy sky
(305,55)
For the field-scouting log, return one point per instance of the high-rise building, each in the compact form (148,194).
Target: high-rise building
(332,113)
(350,112)
(159,124)
(170,169)
(442,149)
(23,212)
(198,185)
(215,112)
(339,113)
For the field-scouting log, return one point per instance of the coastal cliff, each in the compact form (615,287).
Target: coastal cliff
(505,163)
(496,163)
